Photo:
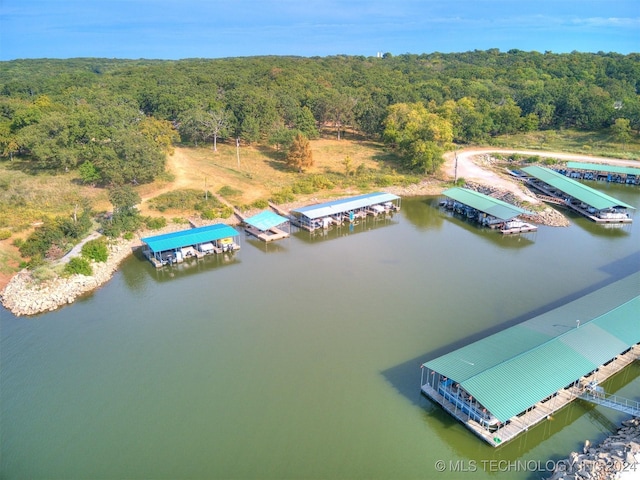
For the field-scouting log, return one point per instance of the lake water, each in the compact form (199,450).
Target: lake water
(301,358)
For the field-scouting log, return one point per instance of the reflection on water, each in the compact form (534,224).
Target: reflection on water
(299,360)
(337,231)
(423,218)
(488,234)
(279,246)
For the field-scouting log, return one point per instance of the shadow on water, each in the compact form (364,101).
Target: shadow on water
(190,266)
(492,236)
(469,447)
(403,377)
(435,216)
(278,246)
(611,230)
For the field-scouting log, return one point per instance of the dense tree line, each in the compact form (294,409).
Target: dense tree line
(115,120)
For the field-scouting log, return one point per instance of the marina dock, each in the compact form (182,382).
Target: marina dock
(601,172)
(487,211)
(504,384)
(345,210)
(176,247)
(592,204)
(267,226)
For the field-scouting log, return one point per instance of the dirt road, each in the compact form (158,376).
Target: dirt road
(473,165)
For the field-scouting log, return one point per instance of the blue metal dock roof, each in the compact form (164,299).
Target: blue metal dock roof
(345,205)
(265,220)
(193,236)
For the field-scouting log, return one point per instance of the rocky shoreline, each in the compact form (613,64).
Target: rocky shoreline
(547,216)
(618,456)
(25,295)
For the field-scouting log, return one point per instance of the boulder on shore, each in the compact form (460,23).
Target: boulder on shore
(618,456)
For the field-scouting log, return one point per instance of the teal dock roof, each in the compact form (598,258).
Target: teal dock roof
(593,198)
(193,236)
(484,203)
(601,167)
(345,205)
(265,220)
(514,369)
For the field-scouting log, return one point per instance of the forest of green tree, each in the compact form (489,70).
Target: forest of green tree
(115,120)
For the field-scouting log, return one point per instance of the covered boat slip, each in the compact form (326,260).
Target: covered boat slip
(175,247)
(487,210)
(267,226)
(505,383)
(323,215)
(595,205)
(602,172)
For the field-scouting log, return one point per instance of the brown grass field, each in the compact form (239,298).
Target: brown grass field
(259,171)
(27,196)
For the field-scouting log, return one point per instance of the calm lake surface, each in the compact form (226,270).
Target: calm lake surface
(299,359)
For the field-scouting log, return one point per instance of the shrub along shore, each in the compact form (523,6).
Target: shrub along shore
(25,294)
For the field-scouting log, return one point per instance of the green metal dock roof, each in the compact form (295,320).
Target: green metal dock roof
(514,369)
(484,203)
(345,205)
(594,198)
(265,220)
(193,236)
(601,167)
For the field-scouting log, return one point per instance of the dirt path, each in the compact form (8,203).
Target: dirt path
(473,165)
(177,165)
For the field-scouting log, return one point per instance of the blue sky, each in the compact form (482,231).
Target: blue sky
(173,29)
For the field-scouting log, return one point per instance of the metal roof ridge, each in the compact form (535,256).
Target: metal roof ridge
(487,198)
(550,340)
(578,185)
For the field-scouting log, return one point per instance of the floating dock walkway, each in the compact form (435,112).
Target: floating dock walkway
(586,201)
(624,405)
(504,384)
(486,210)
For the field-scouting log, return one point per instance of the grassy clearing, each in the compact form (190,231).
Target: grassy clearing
(261,172)
(27,195)
(258,174)
(25,198)
(600,144)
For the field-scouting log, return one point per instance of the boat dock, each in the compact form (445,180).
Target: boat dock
(586,201)
(267,226)
(504,384)
(601,172)
(345,210)
(487,211)
(176,247)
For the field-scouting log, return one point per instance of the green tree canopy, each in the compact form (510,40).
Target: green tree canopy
(419,136)
(124,199)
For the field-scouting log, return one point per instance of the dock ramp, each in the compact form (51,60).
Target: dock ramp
(616,402)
